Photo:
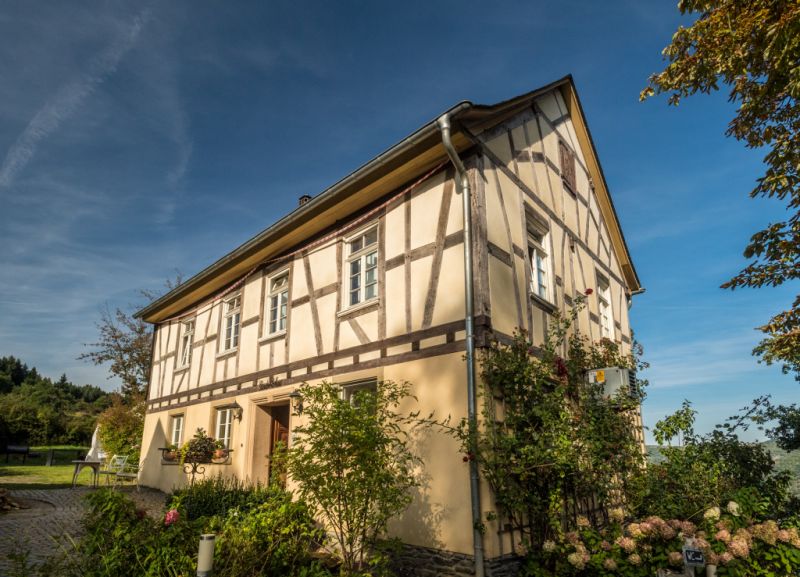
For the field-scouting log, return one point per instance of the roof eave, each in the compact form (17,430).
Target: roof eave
(424,136)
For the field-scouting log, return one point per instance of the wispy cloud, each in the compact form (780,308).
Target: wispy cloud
(68,99)
(703,361)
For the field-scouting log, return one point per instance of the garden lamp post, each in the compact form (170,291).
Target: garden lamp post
(205,555)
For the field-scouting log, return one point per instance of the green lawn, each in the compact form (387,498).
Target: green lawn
(35,475)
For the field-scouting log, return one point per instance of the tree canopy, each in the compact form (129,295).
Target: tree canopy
(37,410)
(752,47)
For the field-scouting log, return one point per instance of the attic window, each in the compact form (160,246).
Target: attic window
(278,302)
(362,267)
(232,311)
(539,258)
(567,161)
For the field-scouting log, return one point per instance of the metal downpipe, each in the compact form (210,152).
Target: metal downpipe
(474,488)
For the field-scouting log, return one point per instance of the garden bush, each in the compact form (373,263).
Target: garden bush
(274,538)
(122,426)
(122,540)
(706,469)
(216,496)
(354,466)
(732,538)
(270,535)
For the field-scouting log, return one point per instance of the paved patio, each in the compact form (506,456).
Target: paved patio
(53,513)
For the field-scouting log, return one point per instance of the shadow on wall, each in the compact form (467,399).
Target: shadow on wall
(422,516)
(154,472)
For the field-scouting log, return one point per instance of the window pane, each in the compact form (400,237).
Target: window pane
(279,282)
(371,237)
(372,259)
(354,300)
(355,245)
(224,426)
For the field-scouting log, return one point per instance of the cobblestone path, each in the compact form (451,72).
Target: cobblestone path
(53,514)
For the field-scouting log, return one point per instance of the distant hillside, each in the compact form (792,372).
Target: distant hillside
(783,461)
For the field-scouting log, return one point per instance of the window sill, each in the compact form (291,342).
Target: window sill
(272,337)
(545,304)
(374,302)
(227,354)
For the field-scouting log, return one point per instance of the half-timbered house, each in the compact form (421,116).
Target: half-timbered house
(366,281)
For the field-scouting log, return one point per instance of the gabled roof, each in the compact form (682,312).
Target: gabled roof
(412,156)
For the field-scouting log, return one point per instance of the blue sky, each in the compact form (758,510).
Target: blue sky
(137,139)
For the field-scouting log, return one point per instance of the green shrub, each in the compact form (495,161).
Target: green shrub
(274,538)
(122,426)
(354,465)
(217,495)
(707,469)
(271,535)
(120,540)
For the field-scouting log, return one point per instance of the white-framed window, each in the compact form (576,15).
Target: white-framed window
(223,427)
(176,430)
(362,267)
(187,340)
(604,307)
(541,281)
(350,390)
(278,302)
(231,321)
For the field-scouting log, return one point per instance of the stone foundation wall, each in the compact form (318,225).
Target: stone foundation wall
(412,561)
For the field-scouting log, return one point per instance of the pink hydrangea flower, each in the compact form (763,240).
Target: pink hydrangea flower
(626,544)
(723,535)
(725,558)
(688,528)
(609,564)
(572,537)
(666,532)
(635,530)
(583,522)
(675,558)
(634,559)
(617,514)
(576,560)
(739,548)
(171,517)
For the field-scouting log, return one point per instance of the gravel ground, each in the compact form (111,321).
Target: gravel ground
(50,516)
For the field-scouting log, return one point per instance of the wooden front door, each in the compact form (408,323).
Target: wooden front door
(278,434)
